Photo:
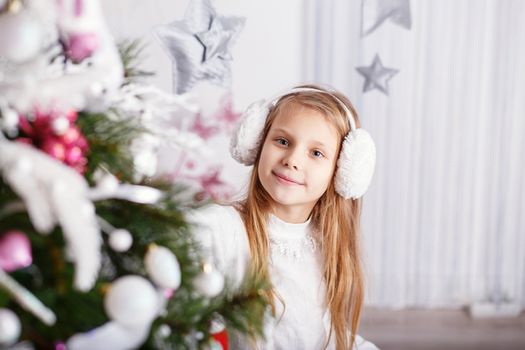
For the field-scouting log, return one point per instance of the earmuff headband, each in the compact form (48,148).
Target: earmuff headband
(349,114)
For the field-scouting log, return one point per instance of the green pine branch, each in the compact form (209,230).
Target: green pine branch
(131,52)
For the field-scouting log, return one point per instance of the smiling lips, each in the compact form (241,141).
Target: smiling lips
(285,180)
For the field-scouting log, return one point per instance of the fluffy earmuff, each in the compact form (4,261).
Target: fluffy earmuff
(356,162)
(247,137)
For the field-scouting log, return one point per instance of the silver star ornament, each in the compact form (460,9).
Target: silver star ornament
(376,75)
(200,45)
(375,12)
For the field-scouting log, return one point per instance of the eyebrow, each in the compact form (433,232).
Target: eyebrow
(319,143)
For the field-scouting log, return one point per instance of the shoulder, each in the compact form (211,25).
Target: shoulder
(363,344)
(214,216)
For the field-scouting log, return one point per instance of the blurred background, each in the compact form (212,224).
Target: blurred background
(440,85)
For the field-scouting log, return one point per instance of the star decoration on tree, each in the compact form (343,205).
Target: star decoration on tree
(376,75)
(200,45)
(375,12)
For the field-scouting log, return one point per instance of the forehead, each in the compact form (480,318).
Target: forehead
(306,124)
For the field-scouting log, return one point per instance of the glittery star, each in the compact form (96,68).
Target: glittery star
(200,45)
(375,12)
(376,76)
(216,41)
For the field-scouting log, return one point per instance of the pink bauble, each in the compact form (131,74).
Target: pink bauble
(82,143)
(54,148)
(168,293)
(81,45)
(15,251)
(73,155)
(71,136)
(72,116)
(60,345)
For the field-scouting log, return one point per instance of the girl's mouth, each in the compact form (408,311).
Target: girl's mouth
(285,180)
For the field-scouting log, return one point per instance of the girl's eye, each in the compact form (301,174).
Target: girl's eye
(318,154)
(282,141)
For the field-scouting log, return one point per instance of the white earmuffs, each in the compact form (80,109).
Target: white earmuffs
(356,163)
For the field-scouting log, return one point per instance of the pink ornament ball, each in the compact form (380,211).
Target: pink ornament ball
(15,251)
(54,148)
(81,46)
(73,155)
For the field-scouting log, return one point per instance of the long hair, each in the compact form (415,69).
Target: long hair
(336,219)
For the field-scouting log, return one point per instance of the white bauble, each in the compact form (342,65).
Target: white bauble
(9,119)
(60,125)
(162,266)
(106,182)
(164,331)
(131,300)
(20,37)
(9,327)
(210,282)
(120,240)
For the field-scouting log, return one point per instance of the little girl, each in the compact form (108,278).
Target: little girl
(299,223)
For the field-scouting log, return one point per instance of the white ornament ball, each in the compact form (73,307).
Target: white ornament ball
(9,327)
(106,182)
(60,125)
(20,37)
(95,90)
(162,266)
(9,119)
(164,331)
(132,301)
(120,240)
(209,283)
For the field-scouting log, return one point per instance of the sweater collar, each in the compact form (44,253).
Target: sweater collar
(278,227)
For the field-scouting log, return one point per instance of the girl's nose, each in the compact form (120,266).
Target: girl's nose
(292,159)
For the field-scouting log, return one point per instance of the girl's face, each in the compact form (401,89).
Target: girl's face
(298,160)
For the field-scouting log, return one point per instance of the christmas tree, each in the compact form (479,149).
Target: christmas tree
(94,252)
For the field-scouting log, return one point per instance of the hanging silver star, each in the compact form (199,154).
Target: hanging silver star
(375,12)
(200,45)
(216,41)
(376,75)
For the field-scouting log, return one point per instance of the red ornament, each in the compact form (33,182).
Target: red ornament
(222,338)
(57,135)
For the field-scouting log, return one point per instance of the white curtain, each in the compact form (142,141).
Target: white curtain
(444,220)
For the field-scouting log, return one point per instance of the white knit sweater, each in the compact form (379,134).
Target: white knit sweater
(295,272)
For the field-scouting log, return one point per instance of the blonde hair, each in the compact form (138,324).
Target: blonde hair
(336,219)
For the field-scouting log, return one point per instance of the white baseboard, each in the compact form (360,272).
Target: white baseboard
(483,310)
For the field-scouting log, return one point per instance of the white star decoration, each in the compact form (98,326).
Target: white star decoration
(376,75)
(200,45)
